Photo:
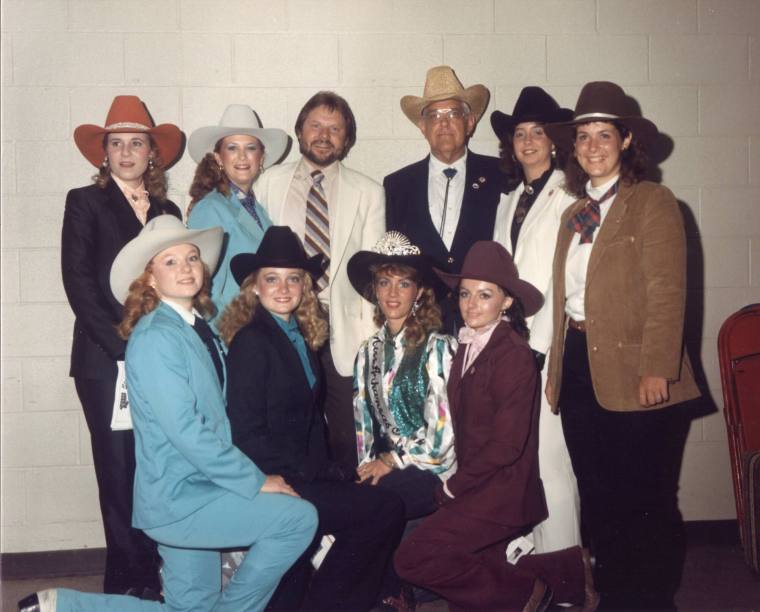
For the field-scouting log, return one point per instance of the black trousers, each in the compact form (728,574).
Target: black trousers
(627,466)
(367,522)
(131,557)
(338,402)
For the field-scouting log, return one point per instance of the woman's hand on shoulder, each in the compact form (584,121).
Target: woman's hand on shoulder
(277,484)
(373,471)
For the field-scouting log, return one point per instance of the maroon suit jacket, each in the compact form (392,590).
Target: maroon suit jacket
(495,410)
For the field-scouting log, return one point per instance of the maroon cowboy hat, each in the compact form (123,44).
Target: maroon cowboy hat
(489,261)
(533,105)
(604,101)
(128,114)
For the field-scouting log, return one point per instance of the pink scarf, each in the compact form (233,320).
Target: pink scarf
(475,339)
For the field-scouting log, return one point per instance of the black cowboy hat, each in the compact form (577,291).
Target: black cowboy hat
(280,248)
(393,248)
(533,105)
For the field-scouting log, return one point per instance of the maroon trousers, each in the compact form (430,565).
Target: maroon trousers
(464,560)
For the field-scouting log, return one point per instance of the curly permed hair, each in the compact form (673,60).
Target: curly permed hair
(427,317)
(311,317)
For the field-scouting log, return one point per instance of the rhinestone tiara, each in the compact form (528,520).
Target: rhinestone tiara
(395,244)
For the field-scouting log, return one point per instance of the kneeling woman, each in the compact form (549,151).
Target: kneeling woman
(195,492)
(496,493)
(273,329)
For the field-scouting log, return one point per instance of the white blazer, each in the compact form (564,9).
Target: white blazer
(357,222)
(535,246)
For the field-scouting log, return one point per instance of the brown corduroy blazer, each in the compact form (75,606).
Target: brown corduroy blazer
(634,302)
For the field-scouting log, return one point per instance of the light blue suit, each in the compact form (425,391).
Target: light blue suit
(194,491)
(241,235)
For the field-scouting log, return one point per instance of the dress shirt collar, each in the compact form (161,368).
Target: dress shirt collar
(436,166)
(187,315)
(598,192)
(305,168)
(241,195)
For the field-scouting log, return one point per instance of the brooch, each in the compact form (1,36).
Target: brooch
(475,186)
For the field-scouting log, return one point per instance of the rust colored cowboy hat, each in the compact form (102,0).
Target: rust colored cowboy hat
(128,114)
(604,101)
(491,262)
(533,105)
(442,84)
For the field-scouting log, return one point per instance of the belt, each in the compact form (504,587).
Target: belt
(579,325)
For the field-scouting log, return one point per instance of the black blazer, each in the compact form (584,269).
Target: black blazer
(97,223)
(273,411)
(407,209)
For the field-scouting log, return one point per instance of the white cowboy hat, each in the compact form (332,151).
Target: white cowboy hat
(238,119)
(158,234)
(442,84)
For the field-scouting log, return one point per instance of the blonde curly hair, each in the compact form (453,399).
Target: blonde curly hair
(310,315)
(143,298)
(426,317)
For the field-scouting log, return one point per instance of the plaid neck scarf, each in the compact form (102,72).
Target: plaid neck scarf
(588,218)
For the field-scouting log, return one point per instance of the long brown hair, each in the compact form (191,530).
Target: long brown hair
(154,178)
(427,315)
(143,298)
(310,316)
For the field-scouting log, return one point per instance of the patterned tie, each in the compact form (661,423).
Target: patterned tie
(209,339)
(588,218)
(317,237)
(449,173)
(249,203)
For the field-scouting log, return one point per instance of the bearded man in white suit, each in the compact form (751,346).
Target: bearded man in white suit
(335,211)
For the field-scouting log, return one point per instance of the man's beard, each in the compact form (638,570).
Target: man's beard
(334,155)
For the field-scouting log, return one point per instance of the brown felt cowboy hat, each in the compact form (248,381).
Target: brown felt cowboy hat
(604,101)
(533,105)
(128,114)
(491,262)
(442,84)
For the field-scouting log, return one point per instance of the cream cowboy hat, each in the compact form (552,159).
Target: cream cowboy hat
(442,84)
(238,119)
(158,234)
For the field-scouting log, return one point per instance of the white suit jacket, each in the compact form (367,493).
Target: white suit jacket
(357,222)
(535,246)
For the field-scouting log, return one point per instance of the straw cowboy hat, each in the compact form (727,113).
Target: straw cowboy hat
(442,84)
(533,105)
(237,120)
(395,249)
(128,114)
(279,248)
(159,234)
(605,101)
(491,262)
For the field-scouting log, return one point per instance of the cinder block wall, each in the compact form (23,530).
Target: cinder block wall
(694,65)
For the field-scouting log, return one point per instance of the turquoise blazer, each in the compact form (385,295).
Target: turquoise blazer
(183,445)
(241,235)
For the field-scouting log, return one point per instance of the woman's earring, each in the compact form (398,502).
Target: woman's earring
(415,308)
(221,168)
(514,159)
(151,165)
(554,152)
(105,162)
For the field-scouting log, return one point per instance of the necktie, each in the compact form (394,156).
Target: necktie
(209,339)
(521,211)
(317,235)
(588,218)
(449,173)
(249,203)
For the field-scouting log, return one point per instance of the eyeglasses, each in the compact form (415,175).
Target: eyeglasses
(438,114)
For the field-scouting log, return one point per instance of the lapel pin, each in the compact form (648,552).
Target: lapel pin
(475,186)
(551,193)
(482,179)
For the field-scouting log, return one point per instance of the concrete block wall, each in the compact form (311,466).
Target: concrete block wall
(694,66)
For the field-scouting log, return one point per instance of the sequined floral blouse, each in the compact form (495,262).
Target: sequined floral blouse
(400,402)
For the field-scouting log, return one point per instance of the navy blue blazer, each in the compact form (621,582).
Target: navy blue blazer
(97,223)
(274,413)
(407,209)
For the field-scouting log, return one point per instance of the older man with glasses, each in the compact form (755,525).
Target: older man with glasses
(447,201)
